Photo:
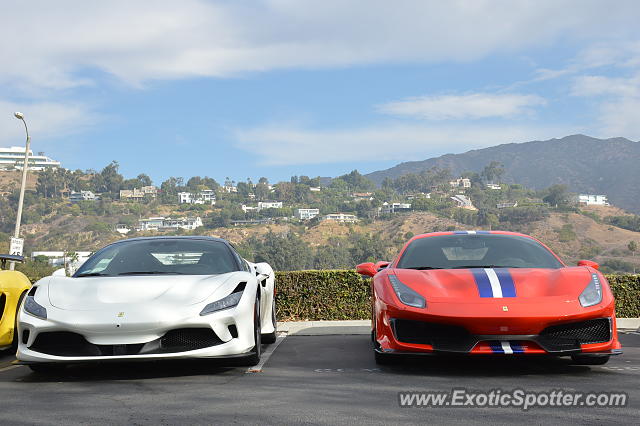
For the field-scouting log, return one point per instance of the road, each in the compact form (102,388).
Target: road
(325,379)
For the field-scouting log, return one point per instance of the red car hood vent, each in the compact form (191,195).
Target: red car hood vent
(478,284)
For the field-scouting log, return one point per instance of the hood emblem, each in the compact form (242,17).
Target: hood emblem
(505,308)
(120,315)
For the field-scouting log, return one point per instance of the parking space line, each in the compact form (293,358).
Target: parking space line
(11,367)
(266,355)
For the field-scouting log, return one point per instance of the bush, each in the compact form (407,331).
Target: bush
(344,295)
(322,295)
(626,289)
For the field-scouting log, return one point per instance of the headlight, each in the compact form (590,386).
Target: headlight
(32,307)
(228,302)
(405,294)
(592,295)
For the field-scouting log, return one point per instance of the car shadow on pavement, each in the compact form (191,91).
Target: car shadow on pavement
(140,370)
(483,366)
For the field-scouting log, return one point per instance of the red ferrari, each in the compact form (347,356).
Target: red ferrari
(489,292)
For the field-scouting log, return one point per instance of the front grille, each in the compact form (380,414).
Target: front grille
(62,343)
(440,336)
(188,339)
(3,302)
(576,334)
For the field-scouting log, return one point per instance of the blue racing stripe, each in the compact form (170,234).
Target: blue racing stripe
(483,232)
(482,282)
(460,232)
(517,347)
(496,347)
(506,282)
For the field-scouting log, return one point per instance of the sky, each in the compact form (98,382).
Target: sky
(276,88)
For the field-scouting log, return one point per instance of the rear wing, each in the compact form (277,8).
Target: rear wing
(11,258)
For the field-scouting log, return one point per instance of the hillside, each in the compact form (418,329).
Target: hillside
(585,164)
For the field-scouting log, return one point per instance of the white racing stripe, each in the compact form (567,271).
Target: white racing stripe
(471,232)
(506,347)
(266,355)
(495,283)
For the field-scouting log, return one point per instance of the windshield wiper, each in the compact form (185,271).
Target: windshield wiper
(484,266)
(92,274)
(149,273)
(423,268)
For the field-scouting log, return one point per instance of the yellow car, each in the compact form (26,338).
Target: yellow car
(13,286)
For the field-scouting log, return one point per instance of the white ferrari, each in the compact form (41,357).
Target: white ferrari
(150,298)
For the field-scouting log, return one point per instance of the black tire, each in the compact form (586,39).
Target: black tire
(254,357)
(271,337)
(590,359)
(48,369)
(14,344)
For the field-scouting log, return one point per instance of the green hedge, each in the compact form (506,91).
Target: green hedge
(626,289)
(321,295)
(344,295)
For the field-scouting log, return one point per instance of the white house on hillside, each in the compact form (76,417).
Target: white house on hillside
(463,202)
(394,207)
(206,196)
(341,217)
(76,197)
(461,183)
(13,157)
(306,214)
(166,223)
(269,205)
(593,200)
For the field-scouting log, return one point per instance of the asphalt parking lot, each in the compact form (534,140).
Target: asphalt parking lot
(322,379)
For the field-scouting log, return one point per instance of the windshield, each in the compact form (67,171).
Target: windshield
(161,256)
(477,251)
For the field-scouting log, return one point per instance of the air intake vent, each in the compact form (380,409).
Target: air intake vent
(3,303)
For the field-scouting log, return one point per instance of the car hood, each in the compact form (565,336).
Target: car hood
(94,293)
(465,285)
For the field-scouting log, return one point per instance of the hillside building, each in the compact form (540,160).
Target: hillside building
(306,214)
(341,217)
(593,200)
(13,158)
(76,197)
(167,223)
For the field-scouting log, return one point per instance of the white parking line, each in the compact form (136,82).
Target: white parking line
(11,367)
(266,355)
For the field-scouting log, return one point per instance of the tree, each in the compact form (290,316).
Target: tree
(632,247)
(493,171)
(557,195)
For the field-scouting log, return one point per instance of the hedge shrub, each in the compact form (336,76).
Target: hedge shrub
(321,295)
(344,295)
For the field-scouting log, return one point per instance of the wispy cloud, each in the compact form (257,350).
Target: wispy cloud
(469,106)
(50,44)
(45,120)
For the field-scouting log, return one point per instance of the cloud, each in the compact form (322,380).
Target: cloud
(470,106)
(285,145)
(45,120)
(597,85)
(67,43)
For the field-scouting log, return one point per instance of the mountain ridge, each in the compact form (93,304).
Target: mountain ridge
(583,163)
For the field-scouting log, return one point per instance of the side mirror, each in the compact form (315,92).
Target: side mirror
(381,265)
(59,273)
(368,269)
(589,263)
(263,271)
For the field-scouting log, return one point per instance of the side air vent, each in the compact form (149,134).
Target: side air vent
(240,287)
(32,292)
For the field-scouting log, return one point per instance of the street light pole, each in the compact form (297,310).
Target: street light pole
(23,185)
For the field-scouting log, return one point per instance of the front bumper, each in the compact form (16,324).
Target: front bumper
(408,331)
(64,339)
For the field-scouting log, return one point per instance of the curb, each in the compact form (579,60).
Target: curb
(318,328)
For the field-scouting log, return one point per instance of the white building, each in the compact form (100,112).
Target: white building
(76,197)
(206,196)
(306,214)
(166,223)
(461,182)
(229,188)
(122,229)
(315,189)
(463,202)
(248,209)
(13,157)
(72,260)
(507,205)
(494,186)
(593,200)
(269,205)
(341,217)
(394,207)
